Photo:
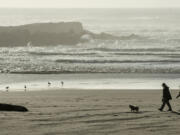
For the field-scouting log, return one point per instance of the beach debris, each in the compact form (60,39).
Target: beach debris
(9,107)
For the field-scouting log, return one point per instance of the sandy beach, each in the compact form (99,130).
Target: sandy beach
(89,112)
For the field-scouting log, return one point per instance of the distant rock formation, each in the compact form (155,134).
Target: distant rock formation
(46,34)
(41,34)
(9,107)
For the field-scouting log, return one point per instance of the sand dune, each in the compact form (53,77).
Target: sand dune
(89,112)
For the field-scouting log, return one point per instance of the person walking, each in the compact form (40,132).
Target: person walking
(166,97)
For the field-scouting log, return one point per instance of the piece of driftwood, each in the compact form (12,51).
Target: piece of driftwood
(9,107)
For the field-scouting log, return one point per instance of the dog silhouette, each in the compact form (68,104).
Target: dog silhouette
(134,108)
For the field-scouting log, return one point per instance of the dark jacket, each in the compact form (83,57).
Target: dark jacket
(166,94)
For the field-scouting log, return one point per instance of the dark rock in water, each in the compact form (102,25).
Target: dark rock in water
(48,34)
(9,107)
(41,34)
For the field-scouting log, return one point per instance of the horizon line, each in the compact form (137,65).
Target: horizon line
(89,7)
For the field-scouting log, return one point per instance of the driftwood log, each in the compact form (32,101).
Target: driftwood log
(9,107)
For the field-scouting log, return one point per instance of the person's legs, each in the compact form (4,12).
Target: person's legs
(169,105)
(162,106)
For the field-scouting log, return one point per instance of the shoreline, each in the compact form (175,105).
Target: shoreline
(82,90)
(81,72)
(98,81)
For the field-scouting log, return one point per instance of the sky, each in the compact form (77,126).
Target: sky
(89,3)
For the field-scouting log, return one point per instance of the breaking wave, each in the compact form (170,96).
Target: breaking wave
(138,55)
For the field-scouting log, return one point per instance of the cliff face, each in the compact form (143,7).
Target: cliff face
(41,34)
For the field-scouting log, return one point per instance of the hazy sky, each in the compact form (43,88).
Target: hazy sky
(90,3)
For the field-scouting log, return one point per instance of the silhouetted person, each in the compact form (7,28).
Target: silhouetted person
(178,95)
(166,97)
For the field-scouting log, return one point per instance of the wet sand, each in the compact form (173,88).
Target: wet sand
(89,112)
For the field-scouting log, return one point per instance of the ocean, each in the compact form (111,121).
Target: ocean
(156,51)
